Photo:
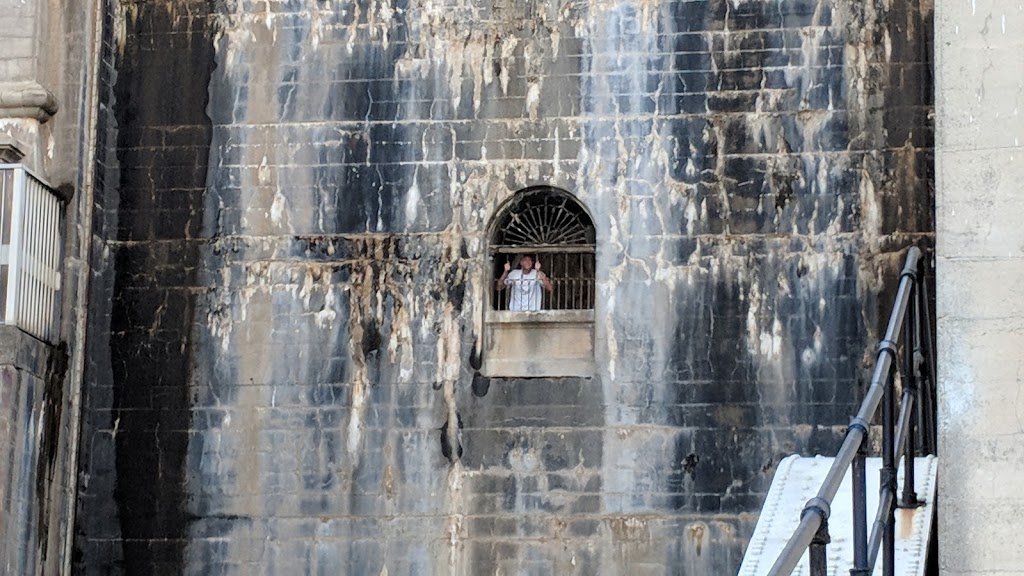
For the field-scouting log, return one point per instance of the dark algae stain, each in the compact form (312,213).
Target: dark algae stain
(150,326)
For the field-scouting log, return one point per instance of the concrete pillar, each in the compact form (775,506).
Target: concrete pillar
(979,72)
(48,61)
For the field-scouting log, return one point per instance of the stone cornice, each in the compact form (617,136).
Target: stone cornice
(26,100)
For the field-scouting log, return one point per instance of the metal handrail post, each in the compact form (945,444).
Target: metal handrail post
(928,373)
(878,529)
(908,499)
(860,520)
(887,476)
(911,351)
(908,402)
(816,555)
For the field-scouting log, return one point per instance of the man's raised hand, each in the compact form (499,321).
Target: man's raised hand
(507,266)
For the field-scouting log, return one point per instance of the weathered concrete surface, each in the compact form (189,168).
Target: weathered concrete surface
(555,343)
(21,395)
(46,72)
(31,379)
(22,368)
(295,268)
(980,245)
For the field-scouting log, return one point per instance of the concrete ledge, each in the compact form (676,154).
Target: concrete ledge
(26,100)
(540,317)
(547,343)
(537,368)
(22,351)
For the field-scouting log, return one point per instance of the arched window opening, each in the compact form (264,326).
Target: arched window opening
(540,323)
(542,250)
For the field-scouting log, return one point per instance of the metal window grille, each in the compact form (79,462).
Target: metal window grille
(30,252)
(571,274)
(552,227)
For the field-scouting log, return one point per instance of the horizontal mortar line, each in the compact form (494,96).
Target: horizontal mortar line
(620,75)
(577,119)
(643,75)
(345,30)
(490,537)
(430,430)
(708,77)
(662,63)
(419,128)
(530,146)
(846,152)
(298,236)
(539,536)
(506,160)
(980,259)
(956,151)
(486,537)
(616,428)
(472,136)
(713,238)
(293,236)
(327,19)
(304,384)
(355,125)
(609,98)
(310,409)
(599,66)
(845,241)
(503,514)
(394,416)
(474,162)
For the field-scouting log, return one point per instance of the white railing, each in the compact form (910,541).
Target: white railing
(30,253)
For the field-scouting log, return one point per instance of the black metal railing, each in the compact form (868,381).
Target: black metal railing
(915,366)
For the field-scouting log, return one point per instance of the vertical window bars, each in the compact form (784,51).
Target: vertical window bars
(554,228)
(30,252)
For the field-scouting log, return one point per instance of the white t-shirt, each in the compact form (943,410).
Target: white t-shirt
(525,290)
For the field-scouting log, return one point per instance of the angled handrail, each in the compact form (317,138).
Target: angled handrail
(910,318)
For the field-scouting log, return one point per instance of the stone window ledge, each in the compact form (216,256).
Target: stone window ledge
(542,344)
(540,316)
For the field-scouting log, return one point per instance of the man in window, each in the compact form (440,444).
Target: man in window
(525,285)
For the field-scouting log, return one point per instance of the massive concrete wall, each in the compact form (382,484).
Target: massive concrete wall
(978,73)
(296,271)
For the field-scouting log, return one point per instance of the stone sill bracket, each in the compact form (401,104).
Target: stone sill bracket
(26,100)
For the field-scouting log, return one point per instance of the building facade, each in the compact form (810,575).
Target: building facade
(289,347)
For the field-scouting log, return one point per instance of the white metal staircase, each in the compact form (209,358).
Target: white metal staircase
(797,480)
